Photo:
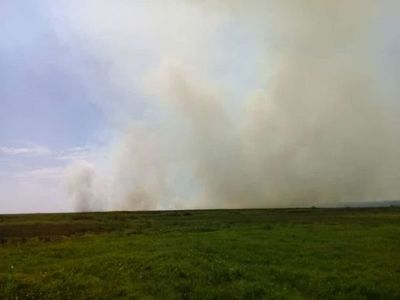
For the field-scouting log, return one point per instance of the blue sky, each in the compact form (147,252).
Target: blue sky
(45,110)
(43,100)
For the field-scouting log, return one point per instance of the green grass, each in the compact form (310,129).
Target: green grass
(213,254)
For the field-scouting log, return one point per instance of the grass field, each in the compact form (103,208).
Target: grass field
(211,254)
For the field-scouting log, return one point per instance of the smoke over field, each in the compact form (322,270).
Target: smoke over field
(238,104)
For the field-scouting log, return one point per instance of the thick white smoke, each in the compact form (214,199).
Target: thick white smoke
(303,120)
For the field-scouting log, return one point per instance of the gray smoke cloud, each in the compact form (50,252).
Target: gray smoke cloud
(81,186)
(316,127)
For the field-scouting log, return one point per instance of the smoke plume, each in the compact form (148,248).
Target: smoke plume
(247,104)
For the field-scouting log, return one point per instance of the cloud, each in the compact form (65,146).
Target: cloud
(49,173)
(77,154)
(27,151)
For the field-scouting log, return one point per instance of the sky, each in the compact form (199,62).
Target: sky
(45,111)
(77,76)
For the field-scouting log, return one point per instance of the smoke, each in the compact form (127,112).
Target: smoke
(256,104)
(81,178)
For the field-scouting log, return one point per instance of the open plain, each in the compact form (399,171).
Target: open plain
(310,253)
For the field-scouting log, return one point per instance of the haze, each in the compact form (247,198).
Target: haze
(133,105)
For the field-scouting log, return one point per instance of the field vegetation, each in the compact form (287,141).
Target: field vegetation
(206,254)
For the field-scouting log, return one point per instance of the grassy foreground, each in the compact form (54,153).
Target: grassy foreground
(213,254)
